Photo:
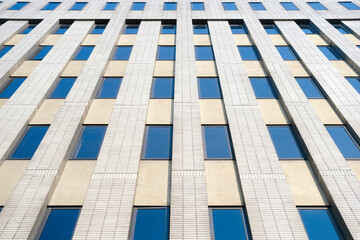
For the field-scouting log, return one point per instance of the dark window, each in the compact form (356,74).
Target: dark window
(355,82)
(41,52)
(84,52)
(238,29)
(217,143)
(12,85)
(344,141)
(316,6)
(78,6)
(309,88)
(98,29)
(28,29)
(63,88)
(18,5)
(257,6)
(29,142)
(307,29)
(249,53)
(197,6)
(110,6)
(122,53)
(168,29)
(271,29)
(341,29)
(131,29)
(289,6)
(200,29)
(51,6)
(204,53)
(166,53)
(157,142)
(330,52)
(89,143)
(262,88)
(209,88)
(109,88)
(138,6)
(287,53)
(162,88)
(229,6)
(4,50)
(350,5)
(170,6)
(62,29)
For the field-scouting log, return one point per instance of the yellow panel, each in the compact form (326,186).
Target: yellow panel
(3,101)
(212,111)
(317,40)
(164,69)
(47,111)
(355,166)
(25,69)
(73,69)
(116,69)
(52,39)
(296,69)
(202,39)
(277,39)
(91,39)
(242,39)
(206,69)
(127,39)
(344,68)
(15,40)
(160,111)
(272,112)
(100,111)
(167,39)
(325,112)
(352,39)
(254,69)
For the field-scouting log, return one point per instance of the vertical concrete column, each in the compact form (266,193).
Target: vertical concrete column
(9,29)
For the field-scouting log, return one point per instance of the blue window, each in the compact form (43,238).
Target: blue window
(60,223)
(63,88)
(110,6)
(262,88)
(41,52)
(51,6)
(289,6)
(166,53)
(249,53)
(28,29)
(309,88)
(18,5)
(287,53)
(62,29)
(84,52)
(4,50)
(330,52)
(217,143)
(78,6)
(89,143)
(109,88)
(170,6)
(285,142)
(319,224)
(157,142)
(98,29)
(11,87)
(344,141)
(131,29)
(341,29)
(355,82)
(138,6)
(271,29)
(200,29)
(162,88)
(122,53)
(307,29)
(197,6)
(229,224)
(316,6)
(168,29)
(209,88)
(350,5)
(257,6)
(29,142)
(229,6)
(238,29)
(150,223)
(204,53)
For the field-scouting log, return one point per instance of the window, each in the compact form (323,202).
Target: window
(122,53)
(330,53)
(41,52)
(355,82)
(62,29)
(228,223)
(307,29)
(238,29)
(84,52)
(150,221)
(78,6)
(289,6)
(89,143)
(200,29)
(285,143)
(168,29)
(110,6)
(229,6)
(4,50)
(60,223)
(157,142)
(319,223)
(51,6)
(11,87)
(249,53)
(170,6)
(63,88)
(271,29)
(287,53)
(350,5)
(257,6)
(209,88)
(138,6)
(344,141)
(18,5)
(98,29)
(162,88)
(109,88)
(28,29)
(309,88)
(217,143)
(197,6)
(316,6)
(166,53)
(131,29)
(30,141)
(341,29)
(204,53)
(262,88)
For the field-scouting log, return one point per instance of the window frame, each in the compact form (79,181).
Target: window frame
(255,50)
(14,7)
(352,6)
(218,85)
(294,55)
(8,83)
(57,85)
(145,143)
(102,84)
(171,57)
(130,25)
(229,6)
(49,5)
(274,30)
(75,8)
(210,56)
(6,49)
(153,87)
(314,84)
(173,32)
(332,50)
(309,27)
(134,6)
(271,89)
(202,33)
(229,142)
(170,5)
(289,6)
(257,6)
(28,29)
(317,6)
(96,28)
(116,4)
(199,5)
(355,85)
(78,52)
(351,138)
(61,27)
(242,29)
(34,56)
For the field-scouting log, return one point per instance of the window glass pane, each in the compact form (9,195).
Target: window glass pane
(217,142)
(350,5)
(11,87)
(170,6)
(286,145)
(98,29)
(238,29)
(249,53)
(89,144)
(229,6)
(200,29)
(307,29)
(203,53)
(341,29)
(122,53)
(28,29)
(257,6)
(4,50)
(18,5)
(166,53)
(209,88)
(131,29)
(78,6)
(84,52)
(330,53)
(162,88)
(309,88)
(197,6)
(109,6)
(62,29)
(158,142)
(51,6)
(287,53)
(138,6)
(355,82)
(30,142)
(271,29)
(41,52)
(168,29)
(63,88)
(317,6)
(151,223)
(262,88)
(344,141)
(289,6)
(109,88)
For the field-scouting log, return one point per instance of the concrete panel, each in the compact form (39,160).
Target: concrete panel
(277,39)
(52,39)
(73,184)
(355,166)
(164,69)
(272,112)
(242,39)
(222,184)
(126,39)
(202,40)
(160,111)
(25,69)
(352,39)
(47,111)
(325,112)
(296,69)
(153,183)
(73,69)
(10,173)
(3,101)
(116,69)
(167,39)
(344,68)
(212,111)
(100,111)
(254,69)
(206,69)
(15,40)
(91,39)
(301,180)
(317,39)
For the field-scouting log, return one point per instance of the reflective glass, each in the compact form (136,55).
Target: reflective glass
(209,88)
(109,88)
(51,6)
(309,88)
(89,143)
(4,50)
(355,82)
(217,142)
(166,53)
(262,88)
(287,53)
(341,29)
(28,29)
(18,5)
(138,6)
(316,6)
(11,87)
(238,29)
(344,141)
(78,6)
(162,88)
(200,29)
(257,6)
(170,6)
(197,6)
(204,53)
(84,53)
(307,29)
(131,29)
(271,29)
(330,53)
(350,5)
(289,6)
(122,53)
(158,142)
(62,29)
(98,29)
(63,88)
(41,52)
(168,29)
(110,6)
(229,6)
(249,53)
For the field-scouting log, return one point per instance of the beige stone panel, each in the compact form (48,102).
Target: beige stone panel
(242,39)
(352,39)
(317,39)
(297,69)
(126,39)
(73,69)
(160,111)
(100,111)
(344,68)
(153,183)
(223,188)
(52,39)
(206,69)
(167,39)
(254,69)
(10,173)
(2,102)
(91,39)
(304,189)
(355,166)
(73,183)
(47,111)
(272,111)
(212,111)
(325,112)
(116,69)
(15,40)
(202,39)
(25,69)
(277,39)
(164,69)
